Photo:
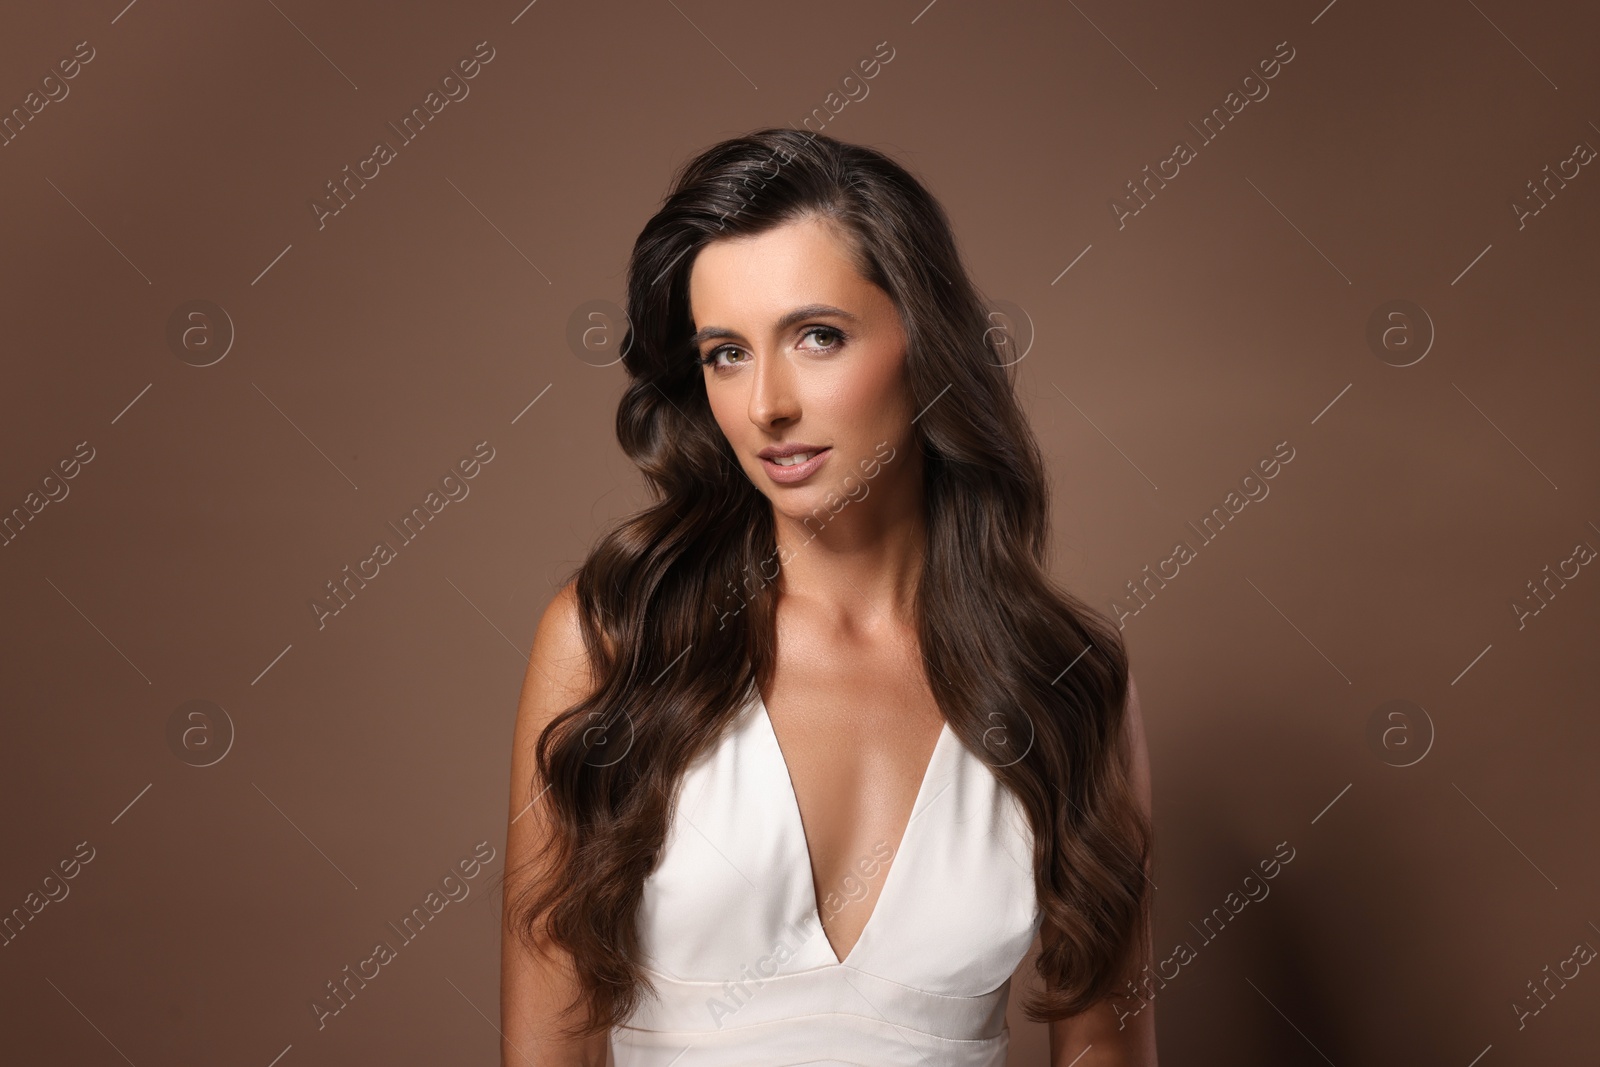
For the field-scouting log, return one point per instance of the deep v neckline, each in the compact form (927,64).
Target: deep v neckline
(809,874)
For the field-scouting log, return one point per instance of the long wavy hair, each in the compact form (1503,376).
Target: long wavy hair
(678,600)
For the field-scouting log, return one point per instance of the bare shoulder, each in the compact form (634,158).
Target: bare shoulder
(1135,718)
(559,675)
(559,639)
(537,977)
(559,670)
(1138,749)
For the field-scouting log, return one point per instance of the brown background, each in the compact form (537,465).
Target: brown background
(370,755)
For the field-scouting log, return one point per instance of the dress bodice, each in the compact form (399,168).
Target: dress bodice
(732,937)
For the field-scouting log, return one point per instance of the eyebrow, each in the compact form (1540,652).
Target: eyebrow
(808,311)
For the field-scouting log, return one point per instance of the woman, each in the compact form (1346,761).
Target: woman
(810,749)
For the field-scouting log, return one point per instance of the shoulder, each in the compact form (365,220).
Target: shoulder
(1137,749)
(560,672)
(558,642)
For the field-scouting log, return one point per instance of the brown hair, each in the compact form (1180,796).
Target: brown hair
(678,615)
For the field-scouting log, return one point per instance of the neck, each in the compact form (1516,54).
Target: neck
(859,565)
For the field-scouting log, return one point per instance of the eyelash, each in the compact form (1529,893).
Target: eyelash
(709,359)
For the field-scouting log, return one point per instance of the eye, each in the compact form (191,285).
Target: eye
(832,335)
(710,358)
(836,335)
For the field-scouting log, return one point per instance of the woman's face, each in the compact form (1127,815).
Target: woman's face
(801,350)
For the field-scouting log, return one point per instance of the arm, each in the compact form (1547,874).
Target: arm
(1095,1034)
(534,987)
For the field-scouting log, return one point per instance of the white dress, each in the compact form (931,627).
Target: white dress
(732,936)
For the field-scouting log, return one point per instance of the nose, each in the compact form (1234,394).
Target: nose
(774,399)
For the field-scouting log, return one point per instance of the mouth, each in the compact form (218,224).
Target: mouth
(798,457)
(795,467)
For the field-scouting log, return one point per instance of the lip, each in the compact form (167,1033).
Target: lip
(778,451)
(799,472)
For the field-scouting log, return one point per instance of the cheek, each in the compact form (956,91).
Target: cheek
(873,395)
(724,409)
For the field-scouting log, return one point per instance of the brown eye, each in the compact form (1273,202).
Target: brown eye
(710,358)
(833,336)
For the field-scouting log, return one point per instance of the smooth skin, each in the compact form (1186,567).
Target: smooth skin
(799,347)
(534,986)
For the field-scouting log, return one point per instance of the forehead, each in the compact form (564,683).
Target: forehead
(759,276)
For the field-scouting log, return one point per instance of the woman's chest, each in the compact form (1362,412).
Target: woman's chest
(856,762)
(952,910)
